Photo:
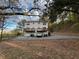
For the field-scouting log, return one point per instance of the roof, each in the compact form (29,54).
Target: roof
(37,21)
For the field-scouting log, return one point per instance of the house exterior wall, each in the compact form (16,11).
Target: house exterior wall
(36,25)
(36,28)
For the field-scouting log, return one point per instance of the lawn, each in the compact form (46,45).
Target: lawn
(40,49)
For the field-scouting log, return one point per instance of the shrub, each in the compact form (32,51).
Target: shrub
(75,27)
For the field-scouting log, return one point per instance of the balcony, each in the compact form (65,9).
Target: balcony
(29,29)
(33,29)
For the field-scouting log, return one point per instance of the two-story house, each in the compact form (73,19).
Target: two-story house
(36,28)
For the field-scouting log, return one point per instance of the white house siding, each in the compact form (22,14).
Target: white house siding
(32,27)
(36,25)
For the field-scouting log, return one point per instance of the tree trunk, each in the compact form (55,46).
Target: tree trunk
(1,38)
(2,28)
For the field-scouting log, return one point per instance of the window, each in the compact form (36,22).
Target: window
(27,28)
(38,28)
(28,24)
(44,27)
(33,28)
(38,22)
(44,23)
(33,22)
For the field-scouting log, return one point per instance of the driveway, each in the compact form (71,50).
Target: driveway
(53,36)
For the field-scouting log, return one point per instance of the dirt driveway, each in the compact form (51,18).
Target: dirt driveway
(40,49)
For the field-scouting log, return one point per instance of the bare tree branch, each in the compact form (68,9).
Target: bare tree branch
(16,13)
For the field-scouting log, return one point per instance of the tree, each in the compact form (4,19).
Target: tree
(21,25)
(2,26)
(56,7)
(3,17)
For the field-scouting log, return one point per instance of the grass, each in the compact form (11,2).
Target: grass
(40,49)
(7,36)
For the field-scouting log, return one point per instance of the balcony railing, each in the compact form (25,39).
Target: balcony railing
(32,29)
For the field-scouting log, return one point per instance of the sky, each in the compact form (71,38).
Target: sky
(26,5)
